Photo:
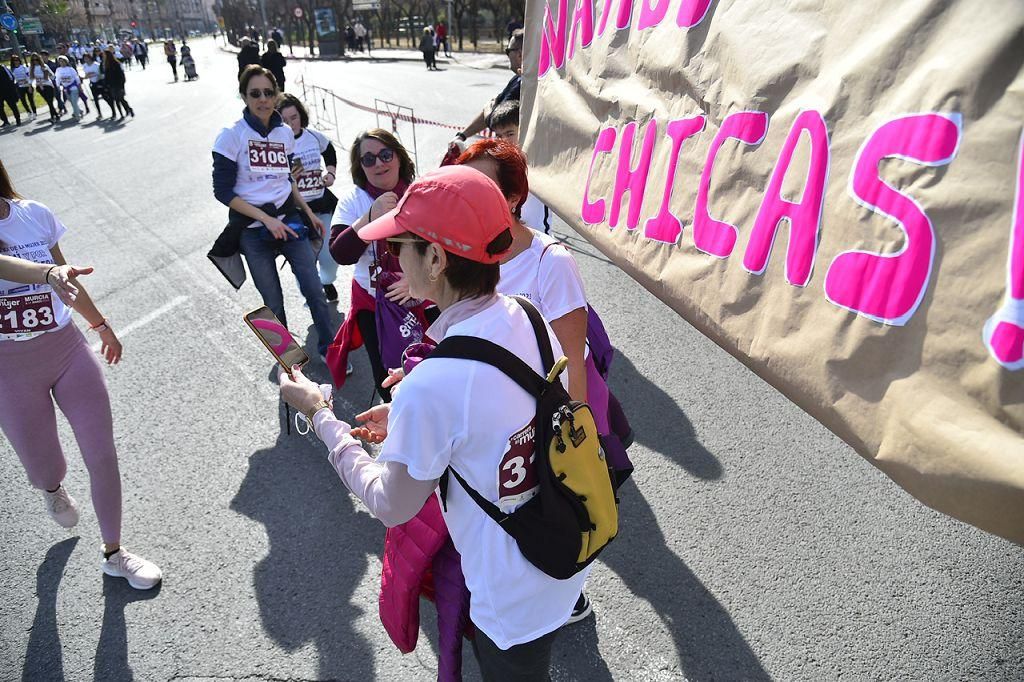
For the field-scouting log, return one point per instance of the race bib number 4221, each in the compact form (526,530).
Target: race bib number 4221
(265,156)
(26,314)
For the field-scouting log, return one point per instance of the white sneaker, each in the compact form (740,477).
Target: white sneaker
(61,507)
(140,574)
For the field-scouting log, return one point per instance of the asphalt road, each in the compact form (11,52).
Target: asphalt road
(754,543)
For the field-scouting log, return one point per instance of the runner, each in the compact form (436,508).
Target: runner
(8,95)
(94,73)
(113,82)
(459,413)
(70,84)
(41,352)
(313,181)
(171,52)
(141,52)
(42,76)
(273,60)
(24,83)
(251,175)
(381,171)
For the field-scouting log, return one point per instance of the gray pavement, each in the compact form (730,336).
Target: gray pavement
(754,543)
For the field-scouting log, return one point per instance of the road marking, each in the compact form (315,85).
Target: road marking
(146,319)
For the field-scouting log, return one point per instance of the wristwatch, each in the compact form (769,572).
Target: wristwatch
(316,408)
(461,135)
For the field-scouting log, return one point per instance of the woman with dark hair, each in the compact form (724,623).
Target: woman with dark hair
(312,179)
(113,82)
(252,177)
(94,72)
(460,414)
(42,354)
(42,76)
(381,171)
(274,61)
(23,81)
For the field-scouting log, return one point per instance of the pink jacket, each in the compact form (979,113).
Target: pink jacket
(419,558)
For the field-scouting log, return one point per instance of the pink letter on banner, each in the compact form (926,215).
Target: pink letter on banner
(633,180)
(582,25)
(622,17)
(665,227)
(652,16)
(692,12)
(1004,331)
(592,213)
(888,288)
(804,217)
(552,38)
(715,237)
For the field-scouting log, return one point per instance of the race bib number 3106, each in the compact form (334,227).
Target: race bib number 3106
(26,314)
(265,156)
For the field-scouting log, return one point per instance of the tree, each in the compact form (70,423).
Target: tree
(59,17)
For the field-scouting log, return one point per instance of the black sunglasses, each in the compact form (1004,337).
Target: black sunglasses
(266,92)
(394,245)
(369,158)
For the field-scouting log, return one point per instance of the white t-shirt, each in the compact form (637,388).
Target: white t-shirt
(67,76)
(41,76)
(309,147)
(91,71)
(473,417)
(264,169)
(29,310)
(534,213)
(552,283)
(21,75)
(352,206)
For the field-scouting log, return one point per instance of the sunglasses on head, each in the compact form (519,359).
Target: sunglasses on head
(369,158)
(394,245)
(266,92)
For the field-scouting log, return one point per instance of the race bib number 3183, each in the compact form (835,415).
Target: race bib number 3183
(26,314)
(265,156)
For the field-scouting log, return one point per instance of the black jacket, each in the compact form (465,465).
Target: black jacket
(274,61)
(250,54)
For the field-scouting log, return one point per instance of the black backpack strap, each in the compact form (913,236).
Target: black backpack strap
(547,357)
(487,352)
(489,507)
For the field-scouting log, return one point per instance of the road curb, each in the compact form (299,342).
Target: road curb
(397,58)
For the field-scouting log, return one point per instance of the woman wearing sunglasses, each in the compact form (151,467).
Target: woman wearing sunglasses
(381,171)
(252,176)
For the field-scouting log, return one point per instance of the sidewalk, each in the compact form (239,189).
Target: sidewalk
(472,60)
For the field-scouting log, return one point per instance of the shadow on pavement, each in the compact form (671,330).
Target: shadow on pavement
(657,421)
(319,545)
(112,650)
(43,658)
(707,642)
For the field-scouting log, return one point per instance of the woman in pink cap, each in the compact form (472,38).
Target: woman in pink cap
(450,231)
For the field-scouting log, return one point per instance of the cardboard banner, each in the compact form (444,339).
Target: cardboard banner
(831,191)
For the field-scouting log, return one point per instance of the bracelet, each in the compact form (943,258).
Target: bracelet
(102,326)
(461,136)
(331,173)
(46,278)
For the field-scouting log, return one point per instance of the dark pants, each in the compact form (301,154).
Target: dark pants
(529,662)
(173,61)
(27,99)
(367,322)
(48,94)
(261,257)
(11,100)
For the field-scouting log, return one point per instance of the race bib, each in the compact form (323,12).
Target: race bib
(311,185)
(27,314)
(67,81)
(517,473)
(267,157)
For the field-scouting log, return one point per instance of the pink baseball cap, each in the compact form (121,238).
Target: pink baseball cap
(457,207)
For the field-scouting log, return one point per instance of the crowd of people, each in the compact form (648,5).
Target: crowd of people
(456,255)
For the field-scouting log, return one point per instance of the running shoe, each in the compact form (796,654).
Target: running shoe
(61,507)
(582,609)
(140,573)
(330,292)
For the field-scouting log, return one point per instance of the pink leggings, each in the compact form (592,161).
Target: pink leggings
(61,363)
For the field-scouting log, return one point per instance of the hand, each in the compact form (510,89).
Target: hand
(111,347)
(62,280)
(318,224)
(457,144)
(327,179)
(382,204)
(278,228)
(374,422)
(298,391)
(394,377)
(399,291)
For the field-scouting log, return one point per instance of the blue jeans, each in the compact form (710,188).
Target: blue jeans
(261,257)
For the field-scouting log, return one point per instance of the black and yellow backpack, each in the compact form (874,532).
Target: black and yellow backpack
(575,513)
